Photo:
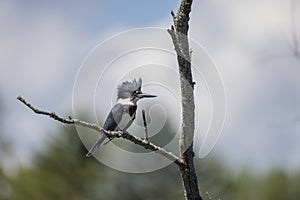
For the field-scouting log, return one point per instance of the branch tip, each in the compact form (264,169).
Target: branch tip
(145,125)
(173,14)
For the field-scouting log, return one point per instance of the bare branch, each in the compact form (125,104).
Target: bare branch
(145,125)
(50,114)
(110,134)
(153,147)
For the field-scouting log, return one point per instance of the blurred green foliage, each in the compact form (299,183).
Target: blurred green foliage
(62,171)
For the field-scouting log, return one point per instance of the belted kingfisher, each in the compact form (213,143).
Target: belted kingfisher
(123,113)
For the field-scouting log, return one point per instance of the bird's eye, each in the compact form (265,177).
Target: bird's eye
(134,93)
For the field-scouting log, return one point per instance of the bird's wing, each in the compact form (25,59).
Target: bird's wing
(111,123)
(113,118)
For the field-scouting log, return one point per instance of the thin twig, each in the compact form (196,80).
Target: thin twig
(110,134)
(145,125)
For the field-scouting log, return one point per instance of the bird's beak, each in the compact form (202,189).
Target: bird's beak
(143,95)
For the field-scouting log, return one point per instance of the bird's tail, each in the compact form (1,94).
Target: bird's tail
(100,140)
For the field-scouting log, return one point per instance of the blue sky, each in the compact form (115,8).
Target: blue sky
(95,17)
(44,43)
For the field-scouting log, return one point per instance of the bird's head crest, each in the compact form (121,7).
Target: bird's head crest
(127,88)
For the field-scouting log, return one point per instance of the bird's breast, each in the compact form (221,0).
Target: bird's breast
(127,117)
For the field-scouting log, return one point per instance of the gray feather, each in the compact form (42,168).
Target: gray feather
(114,117)
(126,89)
(100,140)
(111,124)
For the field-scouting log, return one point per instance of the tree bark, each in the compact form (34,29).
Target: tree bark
(179,36)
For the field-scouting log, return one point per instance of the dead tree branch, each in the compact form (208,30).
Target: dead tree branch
(179,35)
(145,125)
(110,134)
